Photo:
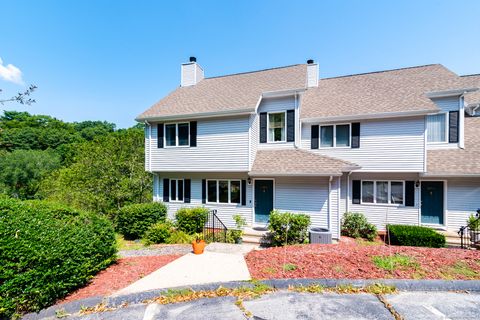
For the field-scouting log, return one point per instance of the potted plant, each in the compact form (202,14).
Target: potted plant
(198,245)
(240,223)
(474,227)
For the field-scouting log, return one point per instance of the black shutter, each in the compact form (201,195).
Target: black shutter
(356,191)
(204,191)
(453,127)
(314,136)
(187,185)
(166,190)
(244,192)
(290,125)
(160,135)
(356,135)
(410,193)
(193,133)
(263,127)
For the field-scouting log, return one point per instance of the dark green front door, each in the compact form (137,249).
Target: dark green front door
(432,202)
(263,200)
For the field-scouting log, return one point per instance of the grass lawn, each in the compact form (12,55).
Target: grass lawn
(123,244)
(355,259)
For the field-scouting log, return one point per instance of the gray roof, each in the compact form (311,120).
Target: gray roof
(472,98)
(236,92)
(297,162)
(458,161)
(391,91)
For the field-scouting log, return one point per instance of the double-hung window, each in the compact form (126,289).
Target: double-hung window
(276,127)
(177,134)
(177,190)
(383,192)
(223,191)
(335,136)
(437,128)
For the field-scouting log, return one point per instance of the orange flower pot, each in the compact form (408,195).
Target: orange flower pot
(198,246)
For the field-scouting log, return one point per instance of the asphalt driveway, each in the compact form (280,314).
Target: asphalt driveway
(292,305)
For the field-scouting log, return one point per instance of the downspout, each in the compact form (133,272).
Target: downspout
(461,140)
(329,203)
(297,117)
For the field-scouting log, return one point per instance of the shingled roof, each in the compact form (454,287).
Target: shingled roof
(458,161)
(472,98)
(236,92)
(382,92)
(297,163)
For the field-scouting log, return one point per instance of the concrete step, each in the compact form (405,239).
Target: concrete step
(253,232)
(252,240)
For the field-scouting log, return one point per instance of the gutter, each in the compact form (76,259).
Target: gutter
(450,175)
(236,112)
(262,174)
(367,116)
(449,93)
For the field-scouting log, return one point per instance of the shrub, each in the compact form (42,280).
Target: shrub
(235,235)
(48,250)
(178,236)
(191,220)
(296,225)
(158,233)
(355,225)
(133,220)
(416,236)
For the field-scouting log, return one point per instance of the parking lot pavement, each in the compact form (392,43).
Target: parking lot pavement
(292,305)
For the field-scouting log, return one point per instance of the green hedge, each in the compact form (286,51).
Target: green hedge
(48,250)
(133,220)
(356,225)
(191,220)
(158,233)
(296,223)
(416,236)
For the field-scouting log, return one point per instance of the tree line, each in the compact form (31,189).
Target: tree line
(90,165)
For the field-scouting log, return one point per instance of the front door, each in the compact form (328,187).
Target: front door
(432,202)
(263,200)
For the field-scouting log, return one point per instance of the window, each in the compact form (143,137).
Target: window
(223,191)
(176,190)
(177,134)
(335,136)
(437,128)
(383,192)
(276,127)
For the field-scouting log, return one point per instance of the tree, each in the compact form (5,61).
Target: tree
(21,171)
(22,97)
(105,174)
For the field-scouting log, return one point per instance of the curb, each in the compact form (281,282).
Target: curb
(136,298)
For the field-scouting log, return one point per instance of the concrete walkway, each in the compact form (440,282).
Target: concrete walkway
(214,265)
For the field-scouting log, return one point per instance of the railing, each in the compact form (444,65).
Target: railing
(470,234)
(214,229)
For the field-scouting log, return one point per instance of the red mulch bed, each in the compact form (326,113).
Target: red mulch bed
(353,259)
(119,275)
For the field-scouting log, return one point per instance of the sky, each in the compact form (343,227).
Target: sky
(111,60)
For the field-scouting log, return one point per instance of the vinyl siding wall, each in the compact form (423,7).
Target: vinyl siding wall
(254,138)
(274,105)
(222,145)
(309,196)
(395,145)
(224,211)
(381,215)
(463,199)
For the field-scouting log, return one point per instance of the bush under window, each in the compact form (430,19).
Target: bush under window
(356,225)
(47,251)
(416,236)
(158,233)
(191,220)
(133,220)
(288,228)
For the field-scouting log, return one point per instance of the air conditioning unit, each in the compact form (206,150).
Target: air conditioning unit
(320,236)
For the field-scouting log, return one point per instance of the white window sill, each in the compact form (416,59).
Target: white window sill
(276,142)
(382,204)
(173,147)
(223,204)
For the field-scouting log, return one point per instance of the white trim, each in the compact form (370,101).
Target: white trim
(253,198)
(176,189)
(229,181)
(329,208)
(449,93)
(261,174)
(281,93)
(284,128)
(461,123)
(176,135)
(367,116)
(193,116)
(389,193)
(447,124)
(445,203)
(450,175)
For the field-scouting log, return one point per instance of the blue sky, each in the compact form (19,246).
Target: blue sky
(110,60)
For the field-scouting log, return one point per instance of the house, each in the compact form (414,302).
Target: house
(401,146)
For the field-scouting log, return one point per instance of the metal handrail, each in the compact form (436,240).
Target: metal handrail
(214,229)
(470,233)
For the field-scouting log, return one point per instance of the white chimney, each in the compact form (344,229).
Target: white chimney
(312,74)
(192,73)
